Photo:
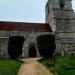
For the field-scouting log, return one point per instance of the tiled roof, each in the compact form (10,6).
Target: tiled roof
(21,26)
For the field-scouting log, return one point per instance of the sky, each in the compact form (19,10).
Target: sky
(24,10)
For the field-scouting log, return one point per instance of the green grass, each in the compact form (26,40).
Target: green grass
(63,66)
(9,67)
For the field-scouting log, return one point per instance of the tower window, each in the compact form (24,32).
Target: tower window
(61,2)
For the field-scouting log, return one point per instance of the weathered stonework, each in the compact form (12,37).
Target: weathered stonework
(60,18)
(30,40)
(62,22)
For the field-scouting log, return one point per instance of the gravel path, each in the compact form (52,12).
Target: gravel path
(32,67)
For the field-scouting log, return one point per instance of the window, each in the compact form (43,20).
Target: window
(61,2)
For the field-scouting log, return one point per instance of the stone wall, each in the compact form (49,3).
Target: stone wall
(65,42)
(62,22)
(30,40)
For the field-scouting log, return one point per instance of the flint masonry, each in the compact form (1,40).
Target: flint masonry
(59,20)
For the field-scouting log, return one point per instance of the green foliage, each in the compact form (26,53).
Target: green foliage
(72,55)
(64,66)
(58,55)
(44,61)
(9,67)
(15,46)
(46,45)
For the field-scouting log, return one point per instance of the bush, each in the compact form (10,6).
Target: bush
(58,55)
(15,46)
(46,45)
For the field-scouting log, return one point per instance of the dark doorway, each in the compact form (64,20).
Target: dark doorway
(32,52)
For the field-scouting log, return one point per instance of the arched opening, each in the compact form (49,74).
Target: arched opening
(32,52)
(61,2)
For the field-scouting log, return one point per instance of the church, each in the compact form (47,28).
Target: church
(59,20)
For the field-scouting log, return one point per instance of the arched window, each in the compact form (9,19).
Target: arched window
(61,2)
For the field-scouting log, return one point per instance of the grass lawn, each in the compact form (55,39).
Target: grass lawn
(9,67)
(64,66)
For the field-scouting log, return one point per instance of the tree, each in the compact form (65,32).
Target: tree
(15,46)
(46,46)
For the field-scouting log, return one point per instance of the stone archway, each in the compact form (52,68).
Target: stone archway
(32,52)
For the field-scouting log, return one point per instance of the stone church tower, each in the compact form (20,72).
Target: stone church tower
(61,18)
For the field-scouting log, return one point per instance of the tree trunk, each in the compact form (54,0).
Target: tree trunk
(51,61)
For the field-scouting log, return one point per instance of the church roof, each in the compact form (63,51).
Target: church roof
(21,26)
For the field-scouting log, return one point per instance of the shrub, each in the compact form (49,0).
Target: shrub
(15,46)
(46,46)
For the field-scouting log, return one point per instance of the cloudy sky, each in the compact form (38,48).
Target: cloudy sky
(23,10)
